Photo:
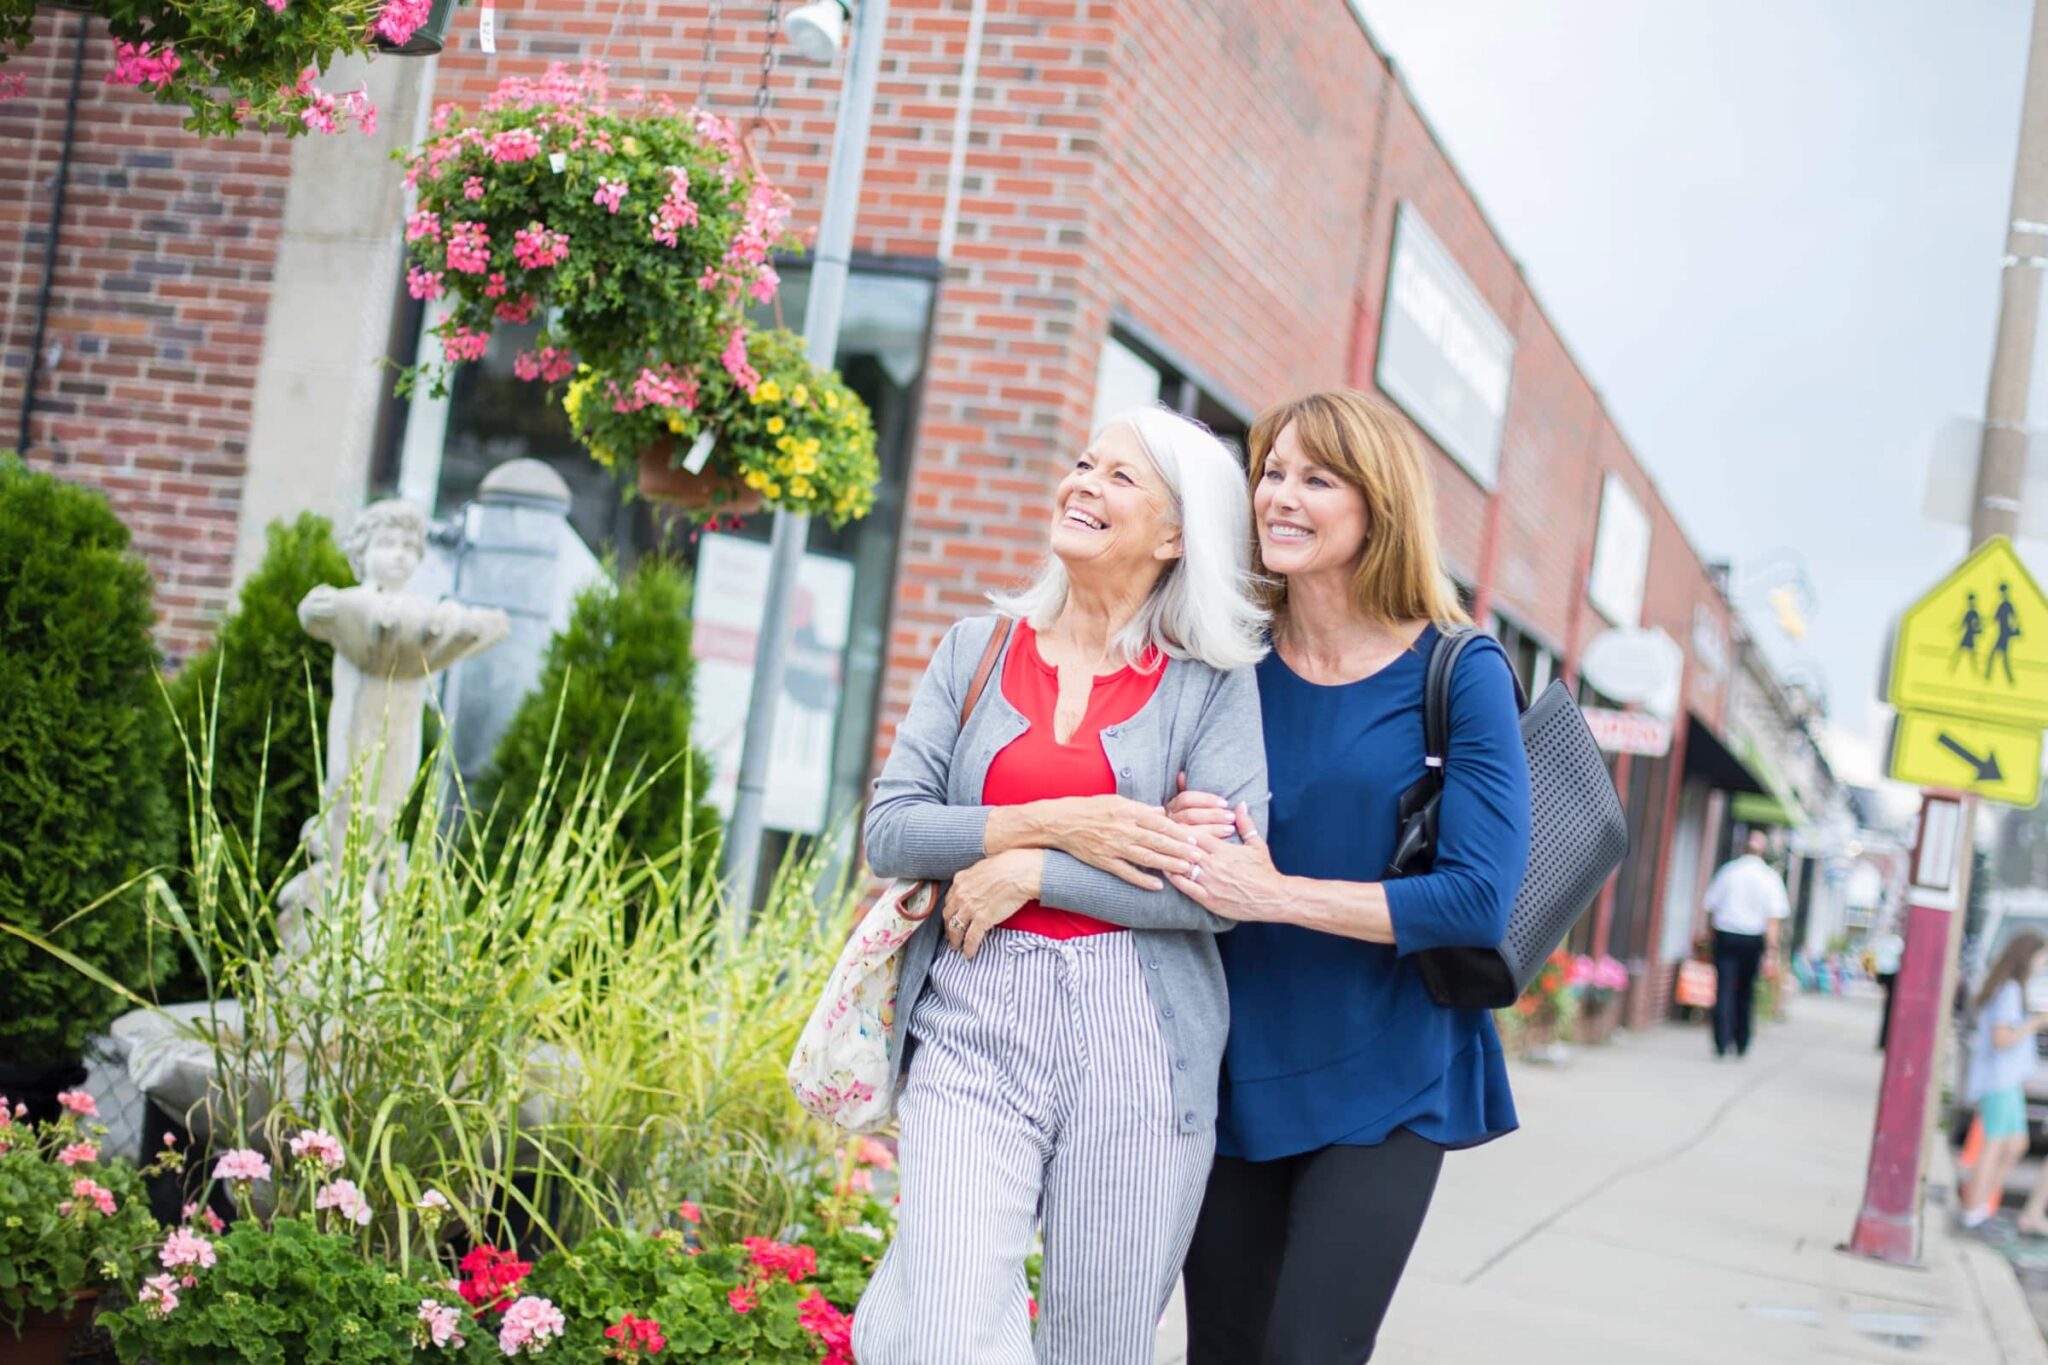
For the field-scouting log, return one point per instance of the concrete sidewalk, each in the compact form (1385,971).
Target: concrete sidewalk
(1658,1206)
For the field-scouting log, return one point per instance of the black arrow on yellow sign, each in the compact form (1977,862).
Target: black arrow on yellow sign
(1987,768)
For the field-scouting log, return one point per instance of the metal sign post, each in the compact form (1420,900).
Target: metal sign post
(826,301)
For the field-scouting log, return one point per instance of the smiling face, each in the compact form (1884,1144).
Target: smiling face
(1112,516)
(1309,520)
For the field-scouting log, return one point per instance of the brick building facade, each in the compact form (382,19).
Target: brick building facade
(1208,188)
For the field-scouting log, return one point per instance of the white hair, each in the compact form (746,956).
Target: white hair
(1202,607)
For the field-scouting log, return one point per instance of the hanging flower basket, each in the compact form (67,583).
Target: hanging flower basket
(430,37)
(242,65)
(634,235)
(663,478)
(794,437)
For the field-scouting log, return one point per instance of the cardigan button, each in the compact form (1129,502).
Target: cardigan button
(1110,731)
(1188,1118)
(1123,772)
(1181,1065)
(1153,964)
(1167,1012)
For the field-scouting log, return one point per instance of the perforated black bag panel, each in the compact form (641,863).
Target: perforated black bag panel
(1577,837)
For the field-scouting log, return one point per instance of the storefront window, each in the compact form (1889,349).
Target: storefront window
(489,416)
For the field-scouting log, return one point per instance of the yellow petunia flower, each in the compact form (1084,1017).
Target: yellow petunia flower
(800,488)
(675,425)
(810,446)
(756,479)
(775,425)
(787,445)
(831,401)
(800,395)
(769,392)
(805,464)
(772,490)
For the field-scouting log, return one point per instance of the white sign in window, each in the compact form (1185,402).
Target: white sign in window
(1621,555)
(1124,380)
(1444,357)
(728,599)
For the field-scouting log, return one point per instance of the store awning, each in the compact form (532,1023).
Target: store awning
(1708,759)
(1754,808)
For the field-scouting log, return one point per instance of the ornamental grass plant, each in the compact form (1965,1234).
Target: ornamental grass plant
(553,1038)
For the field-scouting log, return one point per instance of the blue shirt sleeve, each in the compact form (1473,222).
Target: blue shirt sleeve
(1482,844)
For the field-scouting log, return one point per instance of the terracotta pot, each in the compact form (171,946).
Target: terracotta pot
(46,1337)
(428,38)
(705,492)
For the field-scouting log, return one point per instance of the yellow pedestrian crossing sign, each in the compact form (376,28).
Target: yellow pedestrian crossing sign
(1997,762)
(1977,645)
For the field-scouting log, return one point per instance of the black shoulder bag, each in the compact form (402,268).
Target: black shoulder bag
(1577,837)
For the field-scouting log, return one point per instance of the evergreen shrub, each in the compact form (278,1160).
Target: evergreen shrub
(84,740)
(273,683)
(620,670)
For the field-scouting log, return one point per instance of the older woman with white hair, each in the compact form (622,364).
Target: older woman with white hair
(1066,1006)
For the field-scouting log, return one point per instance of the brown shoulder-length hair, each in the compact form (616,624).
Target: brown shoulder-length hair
(2012,965)
(1370,446)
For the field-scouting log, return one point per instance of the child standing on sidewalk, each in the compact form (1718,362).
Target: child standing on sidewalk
(2002,1058)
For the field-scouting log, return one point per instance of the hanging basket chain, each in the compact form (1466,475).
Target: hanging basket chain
(768,53)
(709,61)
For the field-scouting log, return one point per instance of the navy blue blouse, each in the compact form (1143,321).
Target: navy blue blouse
(1334,1041)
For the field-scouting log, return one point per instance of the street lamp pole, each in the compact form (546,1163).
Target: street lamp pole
(825,305)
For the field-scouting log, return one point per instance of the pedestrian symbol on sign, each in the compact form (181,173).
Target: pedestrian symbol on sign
(1972,627)
(2008,630)
(1963,650)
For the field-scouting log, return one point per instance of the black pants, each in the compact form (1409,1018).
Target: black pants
(1295,1261)
(1736,959)
(1888,980)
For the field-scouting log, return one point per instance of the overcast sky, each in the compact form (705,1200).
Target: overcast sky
(1771,232)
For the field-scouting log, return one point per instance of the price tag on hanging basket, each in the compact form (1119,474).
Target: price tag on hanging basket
(700,451)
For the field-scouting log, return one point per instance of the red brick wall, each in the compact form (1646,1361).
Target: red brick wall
(162,284)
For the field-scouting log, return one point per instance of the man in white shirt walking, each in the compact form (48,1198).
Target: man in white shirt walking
(1747,902)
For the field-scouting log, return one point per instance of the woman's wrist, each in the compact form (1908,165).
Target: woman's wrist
(1034,824)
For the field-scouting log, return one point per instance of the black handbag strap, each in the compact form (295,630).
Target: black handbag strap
(1436,694)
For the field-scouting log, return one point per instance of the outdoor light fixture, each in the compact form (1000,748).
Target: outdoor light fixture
(816,29)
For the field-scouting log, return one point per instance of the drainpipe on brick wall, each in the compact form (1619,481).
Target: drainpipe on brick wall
(35,354)
(1644,999)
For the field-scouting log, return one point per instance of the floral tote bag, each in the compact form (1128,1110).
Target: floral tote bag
(840,1070)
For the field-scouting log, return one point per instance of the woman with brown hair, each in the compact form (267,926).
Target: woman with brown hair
(1343,1084)
(2002,1057)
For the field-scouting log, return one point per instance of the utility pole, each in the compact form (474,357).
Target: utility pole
(2002,460)
(1888,1226)
(830,261)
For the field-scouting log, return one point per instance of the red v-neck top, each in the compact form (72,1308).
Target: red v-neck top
(1037,767)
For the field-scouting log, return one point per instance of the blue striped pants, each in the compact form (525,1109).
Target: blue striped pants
(1038,1093)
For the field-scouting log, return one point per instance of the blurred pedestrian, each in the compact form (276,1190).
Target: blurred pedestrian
(1747,902)
(1344,1084)
(1066,1007)
(1886,954)
(2002,1058)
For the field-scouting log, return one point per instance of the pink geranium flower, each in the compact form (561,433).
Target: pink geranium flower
(742,1299)
(517,310)
(160,1295)
(345,1198)
(400,19)
(186,1250)
(424,285)
(609,193)
(550,364)
(734,358)
(241,1164)
(530,1323)
(473,188)
(99,1196)
(321,1149)
(514,145)
(80,1103)
(469,248)
(440,1325)
(536,247)
(140,64)
(460,344)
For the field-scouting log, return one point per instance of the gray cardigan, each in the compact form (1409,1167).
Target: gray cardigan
(927,821)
